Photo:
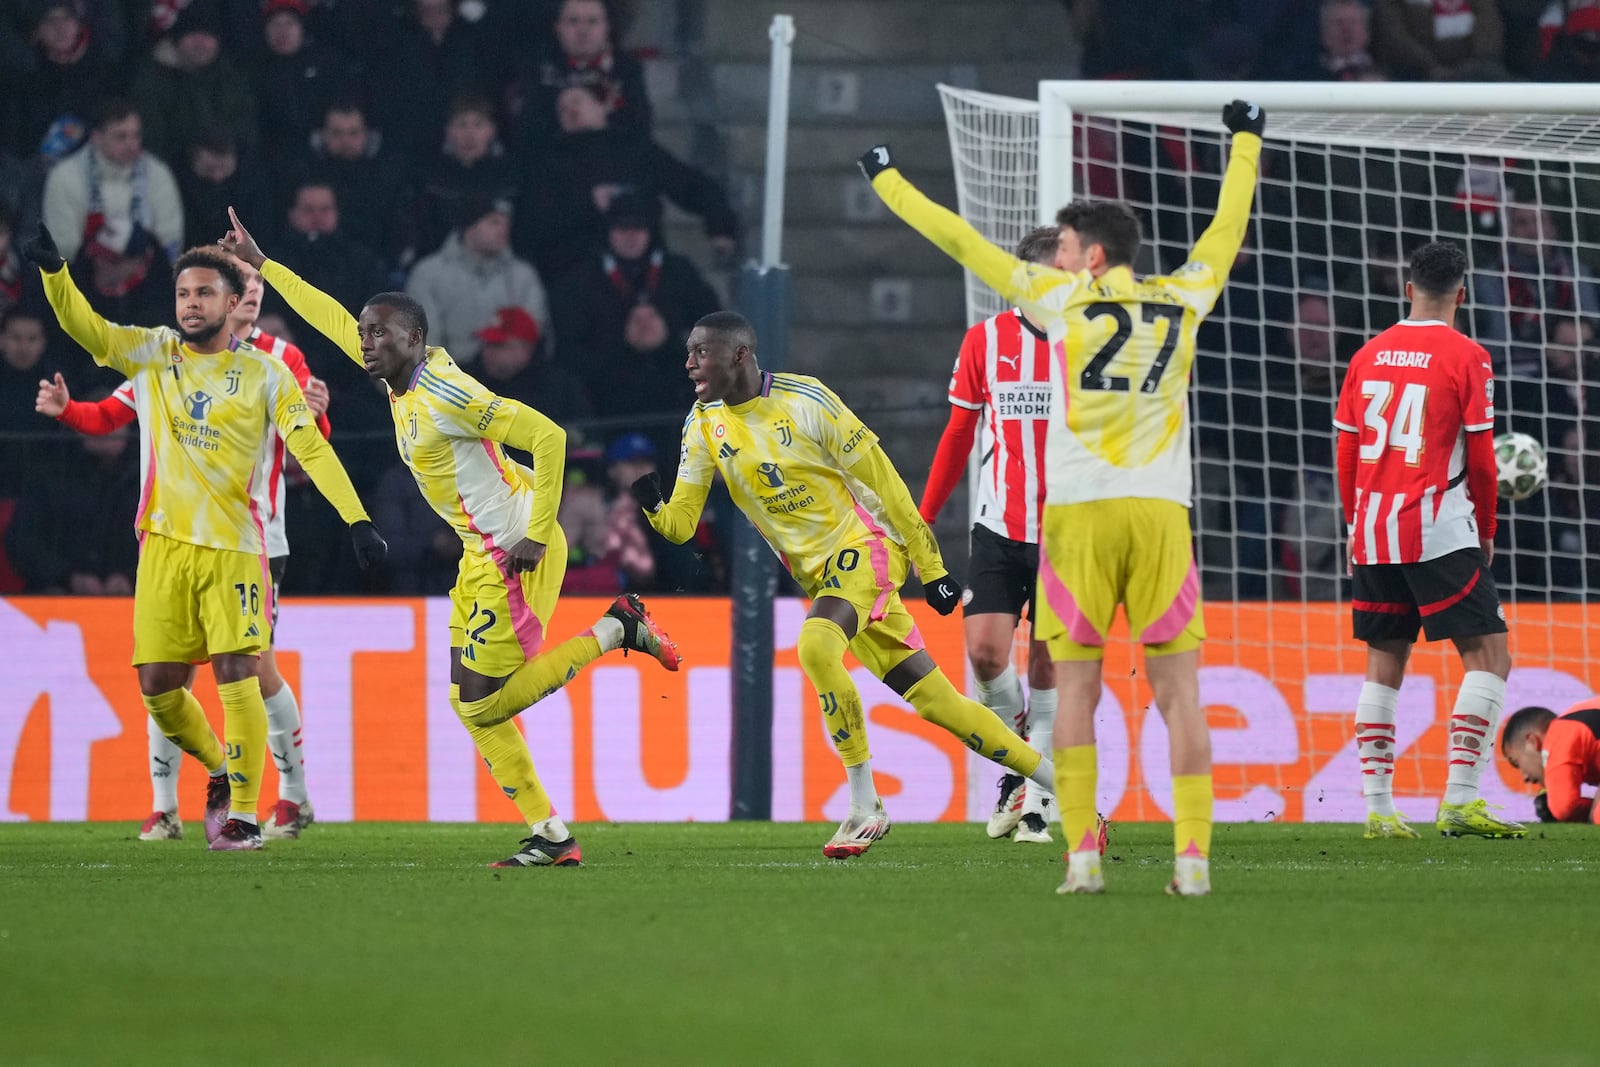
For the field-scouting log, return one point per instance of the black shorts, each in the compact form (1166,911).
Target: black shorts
(1452,596)
(1001,575)
(276,566)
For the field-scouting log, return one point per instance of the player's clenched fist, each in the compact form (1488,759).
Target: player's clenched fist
(942,594)
(1243,117)
(875,161)
(370,546)
(41,251)
(647,492)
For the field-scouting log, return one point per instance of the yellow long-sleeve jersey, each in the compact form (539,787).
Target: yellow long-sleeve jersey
(806,471)
(1122,347)
(450,430)
(204,451)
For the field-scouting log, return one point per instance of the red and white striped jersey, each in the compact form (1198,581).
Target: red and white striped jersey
(1004,371)
(1411,395)
(270,495)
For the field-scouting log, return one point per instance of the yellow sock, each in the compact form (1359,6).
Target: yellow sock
(1192,802)
(979,728)
(244,725)
(821,651)
(531,682)
(1077,771)
(183,721)
(505,752)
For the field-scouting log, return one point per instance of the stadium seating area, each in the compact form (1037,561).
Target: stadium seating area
(517,148)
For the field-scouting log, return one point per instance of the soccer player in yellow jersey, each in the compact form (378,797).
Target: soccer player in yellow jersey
(450,431)
(203,589)
(1117,472)
(816,483)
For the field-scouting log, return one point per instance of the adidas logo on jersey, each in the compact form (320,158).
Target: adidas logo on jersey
(727,451)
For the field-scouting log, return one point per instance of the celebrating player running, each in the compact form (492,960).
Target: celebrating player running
(816,483)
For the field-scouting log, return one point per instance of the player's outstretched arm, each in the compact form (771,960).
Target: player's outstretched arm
(999,269)
(1220,243)
(675,519)
(320,462)
(322,311)
(949,460)
(122,348)
(86,417)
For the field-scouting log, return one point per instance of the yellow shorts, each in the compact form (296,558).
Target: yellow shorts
(1135,552)
(868,575)
(192,602)
(498,618)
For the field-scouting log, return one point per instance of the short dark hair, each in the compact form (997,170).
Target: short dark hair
(413,314)
(19,311)
(1521,723)
(216,139)
(471,103)
(1111,224)
(1039,246)
(731,325)
(210,257)
(112,110)
(344,105)
(1438,268)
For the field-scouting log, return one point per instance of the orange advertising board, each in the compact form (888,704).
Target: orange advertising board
(627,741)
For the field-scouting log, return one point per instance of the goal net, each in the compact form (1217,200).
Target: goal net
(1353,178)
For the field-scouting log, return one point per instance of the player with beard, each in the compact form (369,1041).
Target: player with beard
(203,589)
(293,811)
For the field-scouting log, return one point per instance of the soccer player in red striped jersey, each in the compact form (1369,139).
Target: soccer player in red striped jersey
(1000,397)
(1560,753)
(1417,479)
(293,812)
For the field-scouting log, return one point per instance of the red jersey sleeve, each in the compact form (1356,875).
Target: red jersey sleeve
(949,460)
(1345,416)
(96,419)
(1568,744)
(1476,390)
(295,360)
(969,382)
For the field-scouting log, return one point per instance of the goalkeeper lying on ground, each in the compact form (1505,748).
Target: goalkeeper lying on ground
(1560,753)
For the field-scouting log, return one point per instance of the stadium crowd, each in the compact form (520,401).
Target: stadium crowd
(495,159)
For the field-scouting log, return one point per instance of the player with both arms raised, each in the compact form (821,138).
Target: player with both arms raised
(1417,479)
(816,483)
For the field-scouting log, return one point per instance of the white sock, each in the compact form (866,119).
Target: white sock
(608,632)
(165,758)
(1041,735)
(247,817)
(552,828)
(1472,725)
(283,741)
(1044,775)
(863,792)
(1375,745)
(1002,695)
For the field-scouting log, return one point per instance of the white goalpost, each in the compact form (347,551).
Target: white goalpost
(1354,176)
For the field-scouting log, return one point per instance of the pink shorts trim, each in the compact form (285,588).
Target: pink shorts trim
(1061,601)
(1173,621)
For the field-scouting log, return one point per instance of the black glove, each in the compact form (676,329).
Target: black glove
(875,161)
(1242,117)
(370,547)
(1541,807)
(942,595)
(41,251)
(647,491)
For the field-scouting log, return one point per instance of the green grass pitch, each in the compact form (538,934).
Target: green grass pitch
(740,944)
